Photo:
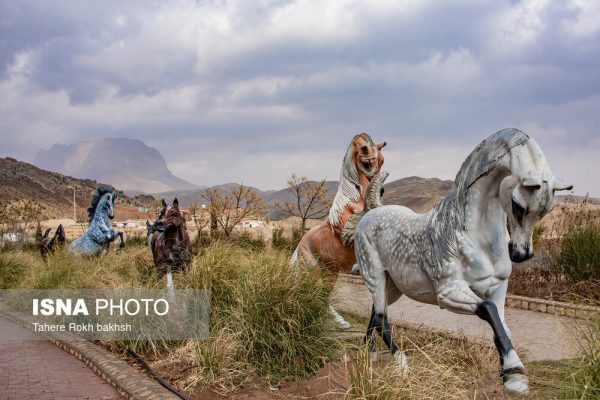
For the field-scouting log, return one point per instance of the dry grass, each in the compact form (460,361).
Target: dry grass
(584,383)
(440,367)
(265,319)
(428,377)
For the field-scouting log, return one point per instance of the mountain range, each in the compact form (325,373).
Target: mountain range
(128,164)
(22,181)
(419,194)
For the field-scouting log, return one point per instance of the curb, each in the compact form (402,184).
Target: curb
(129,382)
(524,303)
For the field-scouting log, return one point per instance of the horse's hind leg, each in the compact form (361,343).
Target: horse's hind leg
(305,252)
(122,239)
(369,339)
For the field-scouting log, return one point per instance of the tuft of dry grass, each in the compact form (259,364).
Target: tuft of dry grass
(436,371)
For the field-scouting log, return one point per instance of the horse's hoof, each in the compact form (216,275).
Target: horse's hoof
(402,361)
(355,270)
(344,324)
(516,384)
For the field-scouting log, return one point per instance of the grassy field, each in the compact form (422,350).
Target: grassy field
(271,337)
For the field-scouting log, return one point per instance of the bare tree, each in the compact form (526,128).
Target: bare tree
(17,218)
(200,216)
(156,207)
(310,200)
(230,209)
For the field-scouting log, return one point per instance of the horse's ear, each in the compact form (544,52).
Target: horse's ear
(175,202)
(559,184)
(381,145)
(164,204)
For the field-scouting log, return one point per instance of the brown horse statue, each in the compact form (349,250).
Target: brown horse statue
(169,241)
(48,245)
(323,243)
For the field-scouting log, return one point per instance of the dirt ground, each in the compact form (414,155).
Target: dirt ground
(331,382)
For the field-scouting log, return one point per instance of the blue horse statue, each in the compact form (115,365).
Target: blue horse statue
(96,240)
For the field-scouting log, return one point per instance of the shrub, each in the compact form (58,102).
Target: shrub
(276,314)
(579,255)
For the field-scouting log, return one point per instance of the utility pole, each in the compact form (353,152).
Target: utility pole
(74,211)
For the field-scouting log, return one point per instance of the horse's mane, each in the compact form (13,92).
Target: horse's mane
(448,216)
(100,191)
(347,191)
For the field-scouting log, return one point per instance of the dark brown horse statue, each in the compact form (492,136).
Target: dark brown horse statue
(48,245)
(169,241)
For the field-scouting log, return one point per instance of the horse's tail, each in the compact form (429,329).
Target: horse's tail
(372,200)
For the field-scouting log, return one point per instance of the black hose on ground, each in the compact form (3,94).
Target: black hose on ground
(155,376)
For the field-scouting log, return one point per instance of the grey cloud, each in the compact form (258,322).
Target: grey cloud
(237,81)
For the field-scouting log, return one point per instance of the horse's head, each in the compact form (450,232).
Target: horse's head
(60,234)
(367,155)
(103,200)
(109,204)
(172,216)
(526,199)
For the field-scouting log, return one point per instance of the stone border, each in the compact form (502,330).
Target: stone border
(524,303)
(129,382)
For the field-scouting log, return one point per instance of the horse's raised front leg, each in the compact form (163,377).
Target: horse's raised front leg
(458,297)
(492,311)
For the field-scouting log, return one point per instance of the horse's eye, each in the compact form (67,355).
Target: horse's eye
(518,211)
(174,214)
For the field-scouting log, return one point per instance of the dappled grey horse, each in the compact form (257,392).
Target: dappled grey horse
(459,255)
(96,240)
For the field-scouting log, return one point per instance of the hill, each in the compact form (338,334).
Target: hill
(20,180)
(419,194)
(128,164)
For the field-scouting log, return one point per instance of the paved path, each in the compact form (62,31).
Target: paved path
(542,336)
(37,369)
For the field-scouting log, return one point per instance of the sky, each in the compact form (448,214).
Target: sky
(232,91)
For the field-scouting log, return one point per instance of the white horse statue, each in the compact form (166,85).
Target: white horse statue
(459,255)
